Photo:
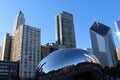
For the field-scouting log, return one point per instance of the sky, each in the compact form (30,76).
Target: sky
(41,14)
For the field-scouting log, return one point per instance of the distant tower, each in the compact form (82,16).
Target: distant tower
(117,25)
(25,47)
(19,20)
(6,47)
(65,34)
(103,44)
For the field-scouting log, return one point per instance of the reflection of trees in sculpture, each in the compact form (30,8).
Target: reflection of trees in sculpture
(70,71)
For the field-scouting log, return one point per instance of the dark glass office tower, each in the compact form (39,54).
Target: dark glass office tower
(103,44)
(65,34)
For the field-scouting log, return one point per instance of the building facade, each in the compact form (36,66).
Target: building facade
(47,49)
(118,53)
(6,47)
(103,45)
(50,47)
(8,70)
(65,33)
(25,47)
(117,25)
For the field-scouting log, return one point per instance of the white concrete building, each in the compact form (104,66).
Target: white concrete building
(26,47)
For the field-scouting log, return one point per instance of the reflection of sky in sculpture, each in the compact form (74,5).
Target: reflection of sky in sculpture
(62,58)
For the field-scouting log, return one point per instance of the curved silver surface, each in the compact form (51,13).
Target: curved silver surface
(65,57)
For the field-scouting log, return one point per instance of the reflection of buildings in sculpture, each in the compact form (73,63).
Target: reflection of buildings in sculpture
(88,49)
(91,58)
(103,44)
(68,64)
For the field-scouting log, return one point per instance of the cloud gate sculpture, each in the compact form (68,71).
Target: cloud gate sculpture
(69,64)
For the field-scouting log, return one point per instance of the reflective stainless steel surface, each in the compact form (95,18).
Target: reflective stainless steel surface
(65,57)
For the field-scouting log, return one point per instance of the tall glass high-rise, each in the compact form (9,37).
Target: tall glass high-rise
(65,34)
(103,44)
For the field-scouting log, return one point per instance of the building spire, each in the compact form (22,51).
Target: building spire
(20,12)
(19,20)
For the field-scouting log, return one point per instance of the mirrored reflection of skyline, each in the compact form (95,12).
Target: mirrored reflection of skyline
(60,58)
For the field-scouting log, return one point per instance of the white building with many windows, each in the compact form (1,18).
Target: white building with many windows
(25,47)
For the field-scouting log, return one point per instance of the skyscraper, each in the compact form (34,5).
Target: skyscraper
(25,47)
(65,34)
(19,20)
(103,44)
(6,47)
(117,25)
